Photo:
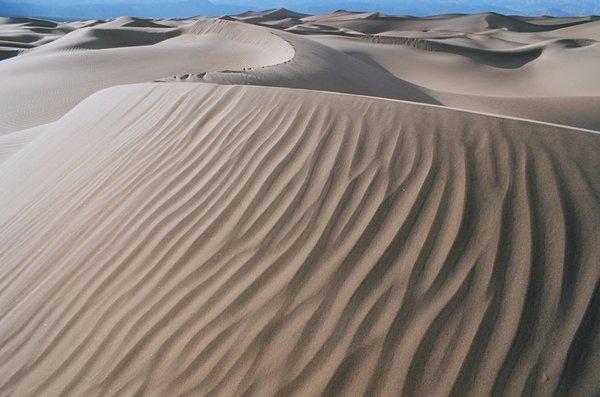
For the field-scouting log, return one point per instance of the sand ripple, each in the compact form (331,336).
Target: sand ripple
(210,240)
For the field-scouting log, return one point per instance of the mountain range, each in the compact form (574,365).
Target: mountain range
(102,9)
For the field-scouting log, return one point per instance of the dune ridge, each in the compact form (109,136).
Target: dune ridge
(19,35)
(479,65)
(206,239)
(94,58)
(279,49)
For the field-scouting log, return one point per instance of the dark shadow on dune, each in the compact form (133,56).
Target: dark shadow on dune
(507,59)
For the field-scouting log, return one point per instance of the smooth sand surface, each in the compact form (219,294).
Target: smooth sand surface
(228,207)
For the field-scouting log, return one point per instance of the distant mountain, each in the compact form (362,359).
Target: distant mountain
(187,8)
(113,9)
(432,7)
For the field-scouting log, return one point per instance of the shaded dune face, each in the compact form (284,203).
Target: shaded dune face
(215,240)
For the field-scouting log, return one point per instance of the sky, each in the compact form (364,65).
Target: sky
(186,8)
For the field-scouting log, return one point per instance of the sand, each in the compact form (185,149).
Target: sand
(226,207)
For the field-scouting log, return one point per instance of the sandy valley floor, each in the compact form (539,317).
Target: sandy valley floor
(276,204)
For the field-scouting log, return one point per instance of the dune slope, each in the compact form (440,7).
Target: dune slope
(211,240)
(549,80)
(537,68)
(40,86)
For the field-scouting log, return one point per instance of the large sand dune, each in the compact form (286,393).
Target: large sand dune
(186,210)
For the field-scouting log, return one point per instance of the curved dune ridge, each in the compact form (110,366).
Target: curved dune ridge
(199,239)
(479,61)
(512,56)
(41,85)
(319,67)
(280,50)
(537,68)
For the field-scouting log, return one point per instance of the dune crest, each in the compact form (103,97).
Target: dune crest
(93,58)
(478,62)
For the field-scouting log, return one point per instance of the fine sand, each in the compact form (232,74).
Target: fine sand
(275,204)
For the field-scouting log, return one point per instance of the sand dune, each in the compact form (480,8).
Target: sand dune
(553,59)
(553,75)
(102,37)
(21,34)
(85,61)
(239,54)
(590,31)
(12,142)
(222,240)
(329,70)
(273,204)
(510,73)
(376,23)
(129,22)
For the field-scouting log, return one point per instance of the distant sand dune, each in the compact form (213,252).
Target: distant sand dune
(41,86)
(547,79)
(376,23)
(476,62)
(319,67)
(211,240)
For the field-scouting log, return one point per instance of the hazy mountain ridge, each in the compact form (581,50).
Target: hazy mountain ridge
(165,9)
(433,7)
(186,8)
